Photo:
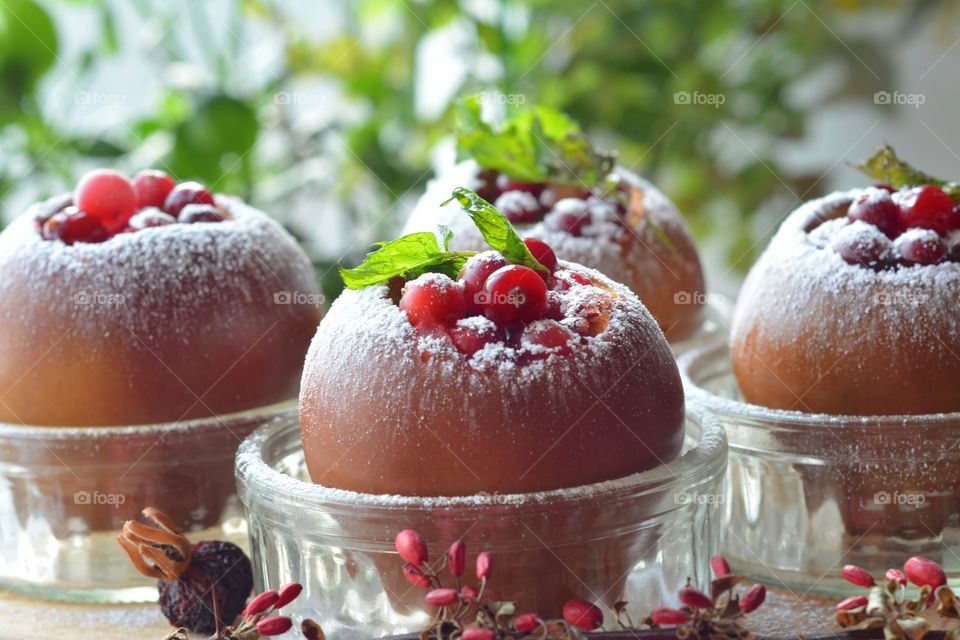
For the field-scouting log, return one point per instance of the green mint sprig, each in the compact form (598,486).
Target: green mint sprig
(417,253)
(884,165)
(408,257)
(534,145)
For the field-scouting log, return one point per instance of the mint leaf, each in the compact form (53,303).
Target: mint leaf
(409,257)
(885,166)
(536,145)
(495,228)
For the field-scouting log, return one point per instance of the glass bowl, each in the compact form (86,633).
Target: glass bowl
(65,493)
(809,493)
(715,327)
(637,539)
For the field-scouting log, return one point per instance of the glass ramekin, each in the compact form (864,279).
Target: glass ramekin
(65,493)
(714,328)
(810,493)
(636,539)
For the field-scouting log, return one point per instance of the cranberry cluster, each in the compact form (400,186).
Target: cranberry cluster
(912,226)
(567,208)
(107,203)
(494,301)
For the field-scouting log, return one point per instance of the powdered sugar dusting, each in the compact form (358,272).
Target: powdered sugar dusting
(601,246)
(799,274)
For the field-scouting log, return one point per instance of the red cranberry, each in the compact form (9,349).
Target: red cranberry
(876,206)
(470,335)
(515,295)
(864,245)
(565,280)
(474,275)
(487,185)
(545,337)
(152,188)
(200,213)
(919,246)
(72,225)
(433,299)
(108,196)
(554,306)
(926,207)
(520,207)
(569,215)
(151,217)
(543,253)
(886,187)
(186,193)
(505,184)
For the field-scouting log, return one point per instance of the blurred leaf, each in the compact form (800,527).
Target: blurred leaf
(222,129)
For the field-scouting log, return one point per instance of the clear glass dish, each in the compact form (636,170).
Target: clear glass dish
(715,327)
(636,539)
(810,493)
(65,493)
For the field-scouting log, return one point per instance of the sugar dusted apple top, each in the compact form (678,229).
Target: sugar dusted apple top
(853,308)
(131,315)
(500,371)
(545,176)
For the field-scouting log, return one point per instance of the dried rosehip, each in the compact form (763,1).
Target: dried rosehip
(469,593)
(217,570)
(443,597)
(411,546)
(924,572)
(853,602)
(753,598)
(484,565)
(668,616)
(858,576)
(896,574)
(457,558)
(288,594)
(274,625)
(582,614)
(415,577)
(720,566)
(527,622)
(695,599)
(261,603)
(478,634)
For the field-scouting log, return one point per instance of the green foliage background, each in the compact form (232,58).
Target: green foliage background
(615,65)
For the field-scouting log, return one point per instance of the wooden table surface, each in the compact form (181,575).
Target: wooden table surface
(784,614)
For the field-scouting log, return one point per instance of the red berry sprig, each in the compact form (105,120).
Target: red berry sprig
(463,614)
(888,605)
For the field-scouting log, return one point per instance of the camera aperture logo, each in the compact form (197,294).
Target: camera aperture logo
(299,298)
(96,498)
